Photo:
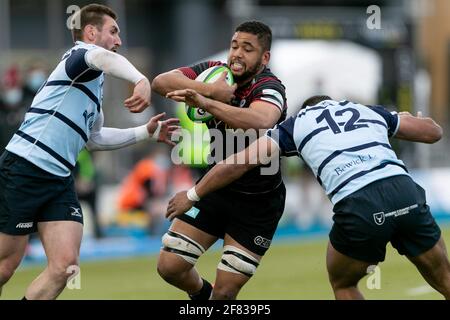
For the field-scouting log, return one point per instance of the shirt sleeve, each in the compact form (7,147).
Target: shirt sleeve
(283,135)
(271,91)
(194,70)
(102,138)
(113,64)
(392,119)
(77,67)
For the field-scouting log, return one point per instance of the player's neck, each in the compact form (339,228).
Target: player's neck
(87,41)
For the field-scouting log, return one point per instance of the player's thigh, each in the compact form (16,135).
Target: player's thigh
(12,249)
(433,263)
(365,221)
(182,245)
(192,233)
(203,238)
(64,205)
(210,215)
(24,189)
(254,219)
(343,270)
(417,231)
(61,241)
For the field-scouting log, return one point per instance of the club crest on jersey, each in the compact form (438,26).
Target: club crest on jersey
(88,117)
(379,218)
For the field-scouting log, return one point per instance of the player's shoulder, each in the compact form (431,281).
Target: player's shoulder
(267,74)
(267,78)
(208,64)
(79,46)
(197,68)
(84,45)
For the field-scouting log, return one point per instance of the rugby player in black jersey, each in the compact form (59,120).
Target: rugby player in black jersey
(246,213)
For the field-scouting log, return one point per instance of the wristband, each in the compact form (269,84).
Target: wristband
(192,195)
(141,133)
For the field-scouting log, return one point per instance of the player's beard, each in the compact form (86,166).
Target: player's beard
(249,73)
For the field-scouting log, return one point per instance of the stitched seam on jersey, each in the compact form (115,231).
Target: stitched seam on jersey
(51,116)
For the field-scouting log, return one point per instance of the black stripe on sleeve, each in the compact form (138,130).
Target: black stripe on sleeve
(77,68)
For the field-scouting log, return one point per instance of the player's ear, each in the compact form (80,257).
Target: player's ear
(265,58)
(90,32)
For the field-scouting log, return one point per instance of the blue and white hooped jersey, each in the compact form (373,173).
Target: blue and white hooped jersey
(345,144)
(57,125)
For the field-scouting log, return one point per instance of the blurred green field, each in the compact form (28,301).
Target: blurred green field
(291,270)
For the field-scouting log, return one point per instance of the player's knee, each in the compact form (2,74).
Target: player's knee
(182,246)
(238,261)
(6,272)
(168,270)
(63,266)
(342,281)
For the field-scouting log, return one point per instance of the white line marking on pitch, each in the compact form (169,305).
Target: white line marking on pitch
(420,290)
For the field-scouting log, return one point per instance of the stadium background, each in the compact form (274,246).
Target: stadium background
(319,46)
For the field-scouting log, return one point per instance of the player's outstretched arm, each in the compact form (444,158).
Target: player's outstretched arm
(176,80)
(102,139)
(418,129)
(118,66)
(260,114)
(225,172)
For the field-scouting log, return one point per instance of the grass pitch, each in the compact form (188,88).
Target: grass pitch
(291,270)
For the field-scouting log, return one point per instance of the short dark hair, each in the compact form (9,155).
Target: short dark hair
(312,101)
(91,14)
(258,29)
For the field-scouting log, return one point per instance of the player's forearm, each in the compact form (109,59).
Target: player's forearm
(113,64)
(238,118)
(235,166)
(176,80)
(418,129)
(113,138)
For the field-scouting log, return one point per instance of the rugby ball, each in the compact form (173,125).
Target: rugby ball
(210,75)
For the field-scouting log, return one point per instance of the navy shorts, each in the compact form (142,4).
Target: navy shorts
(29,195)
(392,210)
(250,219)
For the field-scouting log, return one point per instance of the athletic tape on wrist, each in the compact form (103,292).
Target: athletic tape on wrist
(155,134)
(192,195)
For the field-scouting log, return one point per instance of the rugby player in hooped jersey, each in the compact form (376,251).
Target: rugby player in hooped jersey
(375,200)
(37,191)
(246,213)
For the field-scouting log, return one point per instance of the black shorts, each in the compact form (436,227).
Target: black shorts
(392,209)
(29,195)
(250,219)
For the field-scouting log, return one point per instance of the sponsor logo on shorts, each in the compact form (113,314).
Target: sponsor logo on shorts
(379,218)
(76,212)
(262,242)
(24,225)
(193,212)
(402,211)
